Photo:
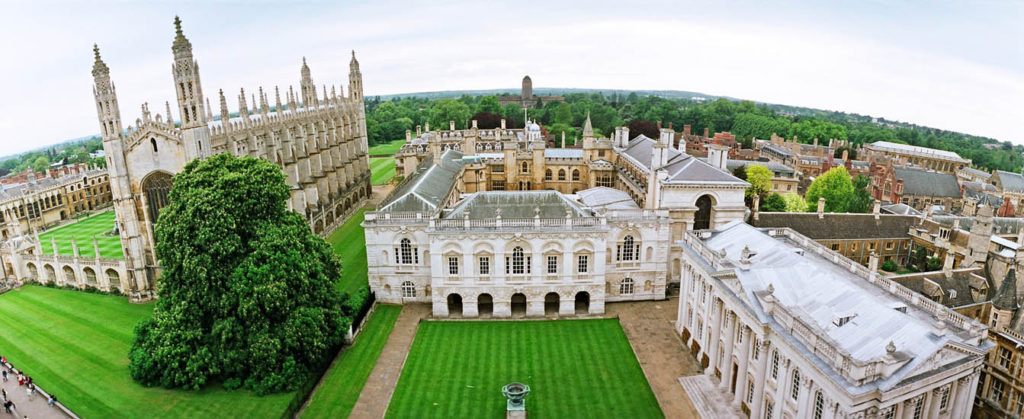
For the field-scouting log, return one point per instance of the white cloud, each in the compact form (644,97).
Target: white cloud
(467,46)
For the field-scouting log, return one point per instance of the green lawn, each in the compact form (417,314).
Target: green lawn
(342,385)
(83,231)
(349,243)
(575,368)
(382,169)
(75,345)
(389,148)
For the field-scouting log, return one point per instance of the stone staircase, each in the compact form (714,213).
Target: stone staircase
(707,399)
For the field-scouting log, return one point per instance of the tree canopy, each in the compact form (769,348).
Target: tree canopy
(246,293)
(773,203)
(835,186)
(760,179)
(794,202)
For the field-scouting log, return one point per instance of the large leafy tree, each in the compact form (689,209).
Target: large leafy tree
(773,203)
(835,186)
(861,200)
(489,104)
(246,294)
(760,180)
(446,110)
(794,202)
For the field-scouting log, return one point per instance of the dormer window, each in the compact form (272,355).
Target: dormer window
(842,320)
(952,293)
(944,233)
(901,308)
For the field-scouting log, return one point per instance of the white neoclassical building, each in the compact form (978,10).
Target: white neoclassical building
(529,253)
(790,329)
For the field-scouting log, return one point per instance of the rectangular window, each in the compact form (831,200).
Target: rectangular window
(1004,357)
(750,391)
(453,266)
(582,264)
(768,408)
(552,264)
(944,401)
(835,246)
(997,390)
(485,265)
(871,246)
(889,246)
(497,185)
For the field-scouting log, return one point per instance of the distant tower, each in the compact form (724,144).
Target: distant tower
(355,80)
(307,88)
(194,131)
(130,229)
(527,96)
(979,239)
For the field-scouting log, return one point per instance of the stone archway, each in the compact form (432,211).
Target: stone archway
(69,276)
(518,304)
(702,218)
(51,274)
(582,302)
(485,304)
(33,272)
(551,302)
(454,305)
(113,279)
(90,276)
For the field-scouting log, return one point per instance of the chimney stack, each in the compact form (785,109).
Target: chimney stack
(815,141)
(877,209)
(451,125)
(502,123)
(947,264)
(873,262)
(706,131)
(846,155)
(821,207)
(408,136)
(718,155)
(686,129)
(418,131)
(474,124)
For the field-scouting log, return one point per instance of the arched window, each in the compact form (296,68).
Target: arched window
(406,253)
(518,261)
(795,392)
(775,365)
(819,405)
(561,174)
(702,218)
(157,187)
(547,175)
(408,290)
(152,141)
(575,175)
(526,169)
(626,287)
(628,250)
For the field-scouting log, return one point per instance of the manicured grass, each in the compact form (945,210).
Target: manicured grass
(575,368)
(349,243)
(904,271)
(389,148)
(382,169)
(75,345)
(83,231)
(342,385)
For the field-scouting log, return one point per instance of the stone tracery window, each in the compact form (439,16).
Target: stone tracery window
(575,175)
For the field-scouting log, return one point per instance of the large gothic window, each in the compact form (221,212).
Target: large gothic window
(702,219)
(156,188)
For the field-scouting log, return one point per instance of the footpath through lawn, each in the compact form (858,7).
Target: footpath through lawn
(382,170)
(75,345)
(83,231)
(342,385)
(575,368)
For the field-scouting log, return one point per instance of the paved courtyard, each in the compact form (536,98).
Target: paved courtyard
(649,326)
(33,409)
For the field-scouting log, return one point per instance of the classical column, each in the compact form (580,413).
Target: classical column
(970,389)
(780,389)
(730,338)
(759,381)
(908,407)
(743,360)
(958,395)
(933,403)
(716,332)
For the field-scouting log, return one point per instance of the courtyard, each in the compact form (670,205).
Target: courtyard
(382,170)
(75,345)
(575,368)
(349,244)
(83,231)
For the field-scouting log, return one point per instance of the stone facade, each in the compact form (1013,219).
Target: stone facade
(924,158)
(319,142)
(785,348)
(45,201)
(527,99)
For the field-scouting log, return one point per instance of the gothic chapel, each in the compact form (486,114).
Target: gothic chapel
(319,143)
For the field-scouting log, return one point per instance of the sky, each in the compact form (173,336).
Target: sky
(950,65)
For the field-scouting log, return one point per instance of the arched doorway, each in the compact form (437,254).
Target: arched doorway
(551,301)
(33,272)
(69,276)
(582,302)
(51,274)
(702,219)
(156,187)
(454,305)
(114,279)
(90,276)
(485,304)
(518,304)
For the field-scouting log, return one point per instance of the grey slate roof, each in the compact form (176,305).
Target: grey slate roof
(984,198)
(922,183)
(934,283)
(782,151)
(564,153)
(778,169)
(426,188)
(1011,181)
(681,167)
(980,186)
(516,204)
(1000,225)
(1006,298)
(976,172)
(840,226)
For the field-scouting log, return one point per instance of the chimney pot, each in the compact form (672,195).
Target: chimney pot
(821,207)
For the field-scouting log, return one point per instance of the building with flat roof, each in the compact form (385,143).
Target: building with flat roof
(922,157)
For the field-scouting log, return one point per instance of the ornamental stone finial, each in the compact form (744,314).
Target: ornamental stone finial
(771,289)
(890,348)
